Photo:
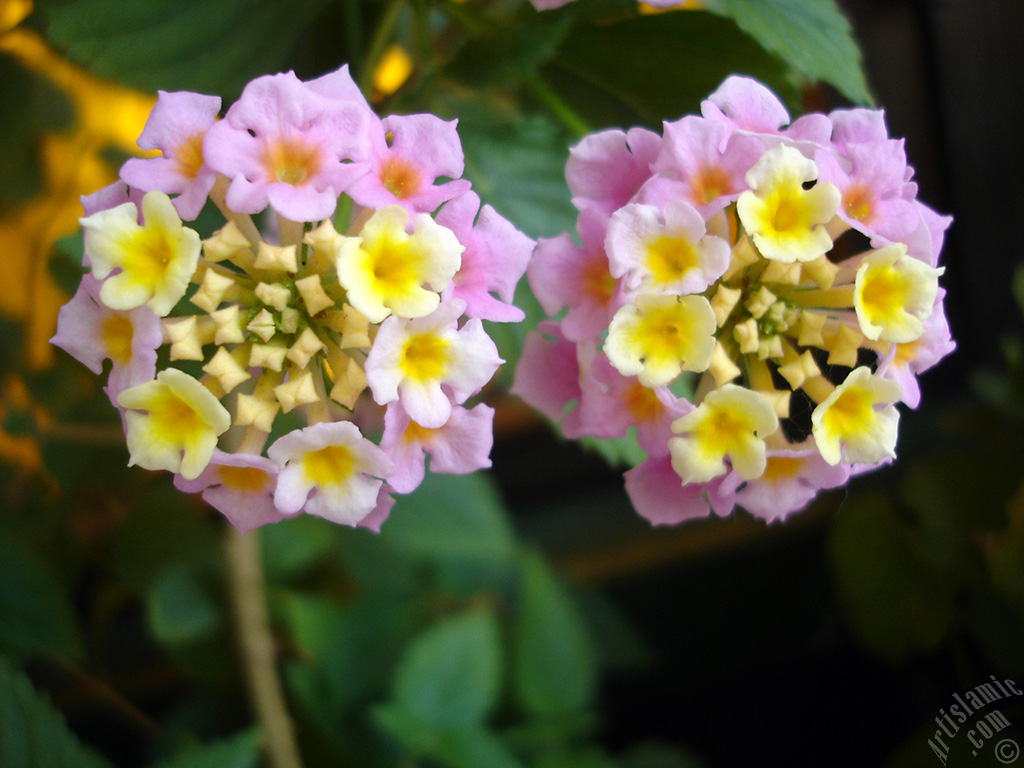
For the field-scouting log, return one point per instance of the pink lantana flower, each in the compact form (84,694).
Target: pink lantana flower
(611,403)
(607,168)
(428,362)
(791,479)
(176,127)
(665,251)
(407,155)
(548,376)
(283,144)
(656,493)
(704,162)
(563,274)
(912,358)
(239,486)
(749,107)
(495,258)
(91,332)
(871,188)
(329,470)
(461,445)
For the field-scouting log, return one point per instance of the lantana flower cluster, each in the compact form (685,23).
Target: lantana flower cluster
(336,315)
(750,297)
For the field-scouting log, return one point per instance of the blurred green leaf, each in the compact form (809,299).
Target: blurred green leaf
(311,620)
(166,528)
(654,755)
(454,746)
(554,667)
(292,547)
(241,751)
(35,613)
(519,168)
(181,608)
(179,44)
(38,107)
(506,54)
(32,733)
(451,517)
(656,68)
(813,36)
(586,757)
(451,674)
(898,601)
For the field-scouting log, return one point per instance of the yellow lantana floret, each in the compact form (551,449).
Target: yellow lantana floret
(893,293)
(859,415)
(173,423)
(732,422)
(386,270)
(786,221)
(154,262)
(659,336)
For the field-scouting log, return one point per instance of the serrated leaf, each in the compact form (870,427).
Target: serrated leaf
(179,44)
(451,517)
(451,674)
(554,662)
(813,36)
(241,751)
(663,66)
(32,733)
(35,613)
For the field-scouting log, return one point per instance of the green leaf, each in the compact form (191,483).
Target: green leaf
(181,608)
(813,36)
(240,751)
(451,674)
(451,517)
(455,746)
(655,755)
(506,54)
(35,613)
(554,662)
(518,166)
(32,733)
(38,107)
(179,44)
(898,601)
(661,69)
(291,548)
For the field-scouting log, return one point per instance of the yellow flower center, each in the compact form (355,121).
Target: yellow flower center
(857,202)
(641,403)
(149,254)
(189,155)
(290,162)
(330,465)
(243,479)
(850,412)
(399,178)
(788,213)
(669,258)
(781,468)
(174,420)
(116,332)
(709,183)
(392,266)
(425,357)
(883,292)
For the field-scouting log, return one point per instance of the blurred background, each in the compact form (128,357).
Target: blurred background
(525,616)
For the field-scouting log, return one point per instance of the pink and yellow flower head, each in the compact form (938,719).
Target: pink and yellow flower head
(716,275)
(338,328)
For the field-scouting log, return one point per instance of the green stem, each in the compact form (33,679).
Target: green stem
(248,598)
(557,106)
